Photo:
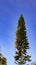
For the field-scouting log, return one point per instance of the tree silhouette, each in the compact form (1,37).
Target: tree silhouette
(21,43)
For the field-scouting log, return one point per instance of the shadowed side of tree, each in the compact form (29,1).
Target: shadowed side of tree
(21,43)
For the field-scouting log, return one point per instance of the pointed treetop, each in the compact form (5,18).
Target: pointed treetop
(21,18)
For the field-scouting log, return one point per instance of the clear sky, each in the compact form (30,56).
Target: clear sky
(10,11)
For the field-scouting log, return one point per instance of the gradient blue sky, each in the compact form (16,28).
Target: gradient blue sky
(10,11)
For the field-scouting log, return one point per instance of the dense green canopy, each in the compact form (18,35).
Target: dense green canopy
(21,43)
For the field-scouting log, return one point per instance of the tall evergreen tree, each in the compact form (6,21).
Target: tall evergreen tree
(21,43)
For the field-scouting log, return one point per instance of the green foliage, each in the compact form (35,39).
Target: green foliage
(21,43)
(2,60)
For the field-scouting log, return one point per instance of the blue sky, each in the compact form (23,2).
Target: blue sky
(10,11)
